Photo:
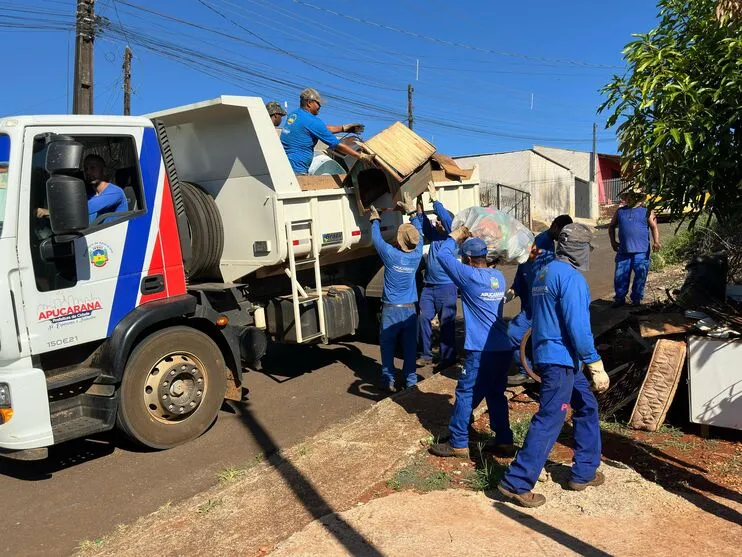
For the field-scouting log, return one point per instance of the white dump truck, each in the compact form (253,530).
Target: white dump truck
(146,319)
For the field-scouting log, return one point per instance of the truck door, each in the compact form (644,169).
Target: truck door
(77,290)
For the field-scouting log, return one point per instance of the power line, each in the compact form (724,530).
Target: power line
(454,43)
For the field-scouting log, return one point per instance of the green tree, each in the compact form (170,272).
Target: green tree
(679,106)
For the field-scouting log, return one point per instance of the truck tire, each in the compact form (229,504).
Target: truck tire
(172,388)
(207,232)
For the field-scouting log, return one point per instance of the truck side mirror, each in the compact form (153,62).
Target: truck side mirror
(68,204)
(63,155)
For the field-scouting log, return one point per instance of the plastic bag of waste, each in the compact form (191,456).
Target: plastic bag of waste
(505,236)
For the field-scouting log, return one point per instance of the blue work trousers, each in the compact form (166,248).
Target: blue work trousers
(625,264)
(484,377)
(438,300)
(561,386)
(398,323)
(516,331)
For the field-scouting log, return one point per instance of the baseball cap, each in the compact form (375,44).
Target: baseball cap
(310,94)
(275,108)
(576,232)
(474,247)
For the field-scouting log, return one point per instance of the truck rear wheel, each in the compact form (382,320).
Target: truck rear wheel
(207,232)
(172,388)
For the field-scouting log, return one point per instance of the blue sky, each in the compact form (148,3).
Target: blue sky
(493,75)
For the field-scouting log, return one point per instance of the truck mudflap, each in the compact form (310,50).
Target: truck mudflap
(30,425)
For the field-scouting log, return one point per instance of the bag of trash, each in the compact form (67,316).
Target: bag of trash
(505,236)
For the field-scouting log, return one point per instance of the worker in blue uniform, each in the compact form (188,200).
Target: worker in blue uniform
(304,128)
(399,296)
(521,287)
(634,222)
(488,349)
(439,293)
(562,345)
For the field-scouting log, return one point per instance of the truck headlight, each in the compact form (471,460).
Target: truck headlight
(4,395)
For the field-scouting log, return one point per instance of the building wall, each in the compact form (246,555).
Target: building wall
(550,185)
(552,189)
(577,161)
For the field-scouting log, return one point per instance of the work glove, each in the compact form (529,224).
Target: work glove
(431,191)
(374,214)
(353,128)
(365,157)
(510,295)
(599,379)
(460,234)
(408,205)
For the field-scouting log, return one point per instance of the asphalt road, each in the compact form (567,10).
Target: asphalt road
(85,488)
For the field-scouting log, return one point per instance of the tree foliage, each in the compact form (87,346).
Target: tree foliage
(680,108)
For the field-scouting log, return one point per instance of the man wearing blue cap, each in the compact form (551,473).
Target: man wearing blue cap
(398,314)
(488,350)
(562,344)
(439,292)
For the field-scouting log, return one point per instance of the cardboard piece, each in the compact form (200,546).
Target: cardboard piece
(663,324)
(322,182)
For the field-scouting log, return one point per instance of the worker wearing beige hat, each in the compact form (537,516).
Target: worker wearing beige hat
(304,128)
(399,314)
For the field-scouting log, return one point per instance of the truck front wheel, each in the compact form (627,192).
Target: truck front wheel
(172,388)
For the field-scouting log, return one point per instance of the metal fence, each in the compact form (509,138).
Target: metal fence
(613,188)
(505,198)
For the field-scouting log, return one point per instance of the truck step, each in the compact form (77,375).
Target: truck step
(71,377)
(311,337)
(82,426)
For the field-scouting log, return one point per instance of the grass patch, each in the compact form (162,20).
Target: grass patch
(208,506)
(614,427)
(657,262)
(671,430)
(420,476)
(520,428)
(678,444)
(488,474)
(230,474)
(733,466)
(89,545)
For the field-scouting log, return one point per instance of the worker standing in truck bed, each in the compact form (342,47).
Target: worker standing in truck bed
(304,128)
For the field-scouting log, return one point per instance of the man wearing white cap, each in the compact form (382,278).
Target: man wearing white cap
(304,128)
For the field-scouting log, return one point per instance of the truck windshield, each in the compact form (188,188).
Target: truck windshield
(4,162)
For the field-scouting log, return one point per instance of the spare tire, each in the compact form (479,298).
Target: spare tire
(207,232)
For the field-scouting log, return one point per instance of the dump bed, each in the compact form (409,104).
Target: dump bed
(229,146)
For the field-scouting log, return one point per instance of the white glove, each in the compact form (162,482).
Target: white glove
(373,214)
(598,377)
(510,295)
(432,193)
(408,205)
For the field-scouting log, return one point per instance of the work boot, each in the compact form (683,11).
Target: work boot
(618,303)
(528,499)
(636,303)
(446,450)
(599,479)
(390,388)
(500,450)
(443,366)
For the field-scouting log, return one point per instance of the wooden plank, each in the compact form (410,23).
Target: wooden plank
(441,176)
(604,320)
(663,324)
(323,182)
(449,165)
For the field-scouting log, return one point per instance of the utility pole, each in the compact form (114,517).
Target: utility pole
(82,99)
(594,157)
(127,81)
(410,90)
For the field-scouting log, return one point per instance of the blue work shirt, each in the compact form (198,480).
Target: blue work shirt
(524,274)
(111,200)
(299,136)
(482,292)
(434,274)
(561,334)
(633,229)
(400,267)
